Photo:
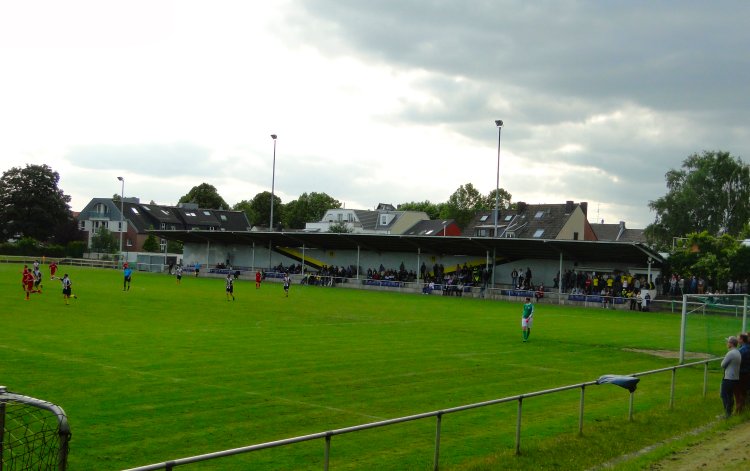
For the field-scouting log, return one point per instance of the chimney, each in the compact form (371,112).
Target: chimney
(521,206)
(569,205)
(585,207)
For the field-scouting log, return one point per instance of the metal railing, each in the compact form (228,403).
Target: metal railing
(438,415)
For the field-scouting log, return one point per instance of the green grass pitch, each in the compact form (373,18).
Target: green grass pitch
(165,371)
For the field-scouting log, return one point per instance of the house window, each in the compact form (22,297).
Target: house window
(135,211)
(340,217)
(206,213)
(482,233)
(539,214)
(508,217)
(101,208)
(483,218)
(163,225)
(83,225)
(510,235)
(538,233)
(575,236)
(223,217)
(383,220)
(166,213)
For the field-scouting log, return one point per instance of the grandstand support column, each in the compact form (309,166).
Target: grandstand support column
(744,313)
(358,262)
(208,253)
(682,329)
(648,279)
(253,256)
(419,272)
(303,260)
(559,282)
(494,259)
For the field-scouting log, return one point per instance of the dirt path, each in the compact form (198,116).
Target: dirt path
(724,450)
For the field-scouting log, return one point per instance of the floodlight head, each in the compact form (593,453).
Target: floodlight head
(273,136)
(120,178)
(499,123)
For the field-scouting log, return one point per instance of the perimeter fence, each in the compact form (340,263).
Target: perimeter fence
(628,381)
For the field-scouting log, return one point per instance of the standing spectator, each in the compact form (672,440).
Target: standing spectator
(740,391)
(514,277)
(127,274)
(258,277)
(731,366)
(527,319)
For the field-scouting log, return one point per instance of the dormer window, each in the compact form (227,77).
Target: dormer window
(539,214)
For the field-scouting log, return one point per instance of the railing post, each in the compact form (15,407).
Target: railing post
(580,412)
(436,465)
(327,454)
(630,411)
(518,425)
(671,391)
(705,379)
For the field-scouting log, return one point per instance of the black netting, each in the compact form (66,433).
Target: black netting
(32,436)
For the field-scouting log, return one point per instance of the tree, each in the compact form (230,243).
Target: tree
(31,204)
(503,201)
(261,207)
(463,204)
(247,207)
(340,228)
(710,193)
(205,196)
(704,255)
(103,241)
(432,209)
(307,208)
(151,244)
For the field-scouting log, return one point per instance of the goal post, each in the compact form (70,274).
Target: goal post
(729,308)
(35,433)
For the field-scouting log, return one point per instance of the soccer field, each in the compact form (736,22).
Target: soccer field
(165,371)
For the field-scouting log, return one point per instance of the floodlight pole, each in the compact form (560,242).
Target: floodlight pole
(122,214)
(499,124)
(273,182)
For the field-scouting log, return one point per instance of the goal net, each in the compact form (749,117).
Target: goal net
(35,434)
(708,319)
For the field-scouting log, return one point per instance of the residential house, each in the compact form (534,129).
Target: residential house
(137,218)
(618,233)
(535,221)
(385,219)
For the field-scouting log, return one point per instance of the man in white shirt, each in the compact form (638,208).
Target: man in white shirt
(731,365)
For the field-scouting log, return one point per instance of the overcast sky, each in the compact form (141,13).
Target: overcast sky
(373,101)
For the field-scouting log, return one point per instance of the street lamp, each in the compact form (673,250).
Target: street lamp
(499,124)
(122,216)
(273,179)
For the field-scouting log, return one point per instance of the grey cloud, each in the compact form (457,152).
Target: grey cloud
(153,159)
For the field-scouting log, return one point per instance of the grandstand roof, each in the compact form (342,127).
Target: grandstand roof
(511,248)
